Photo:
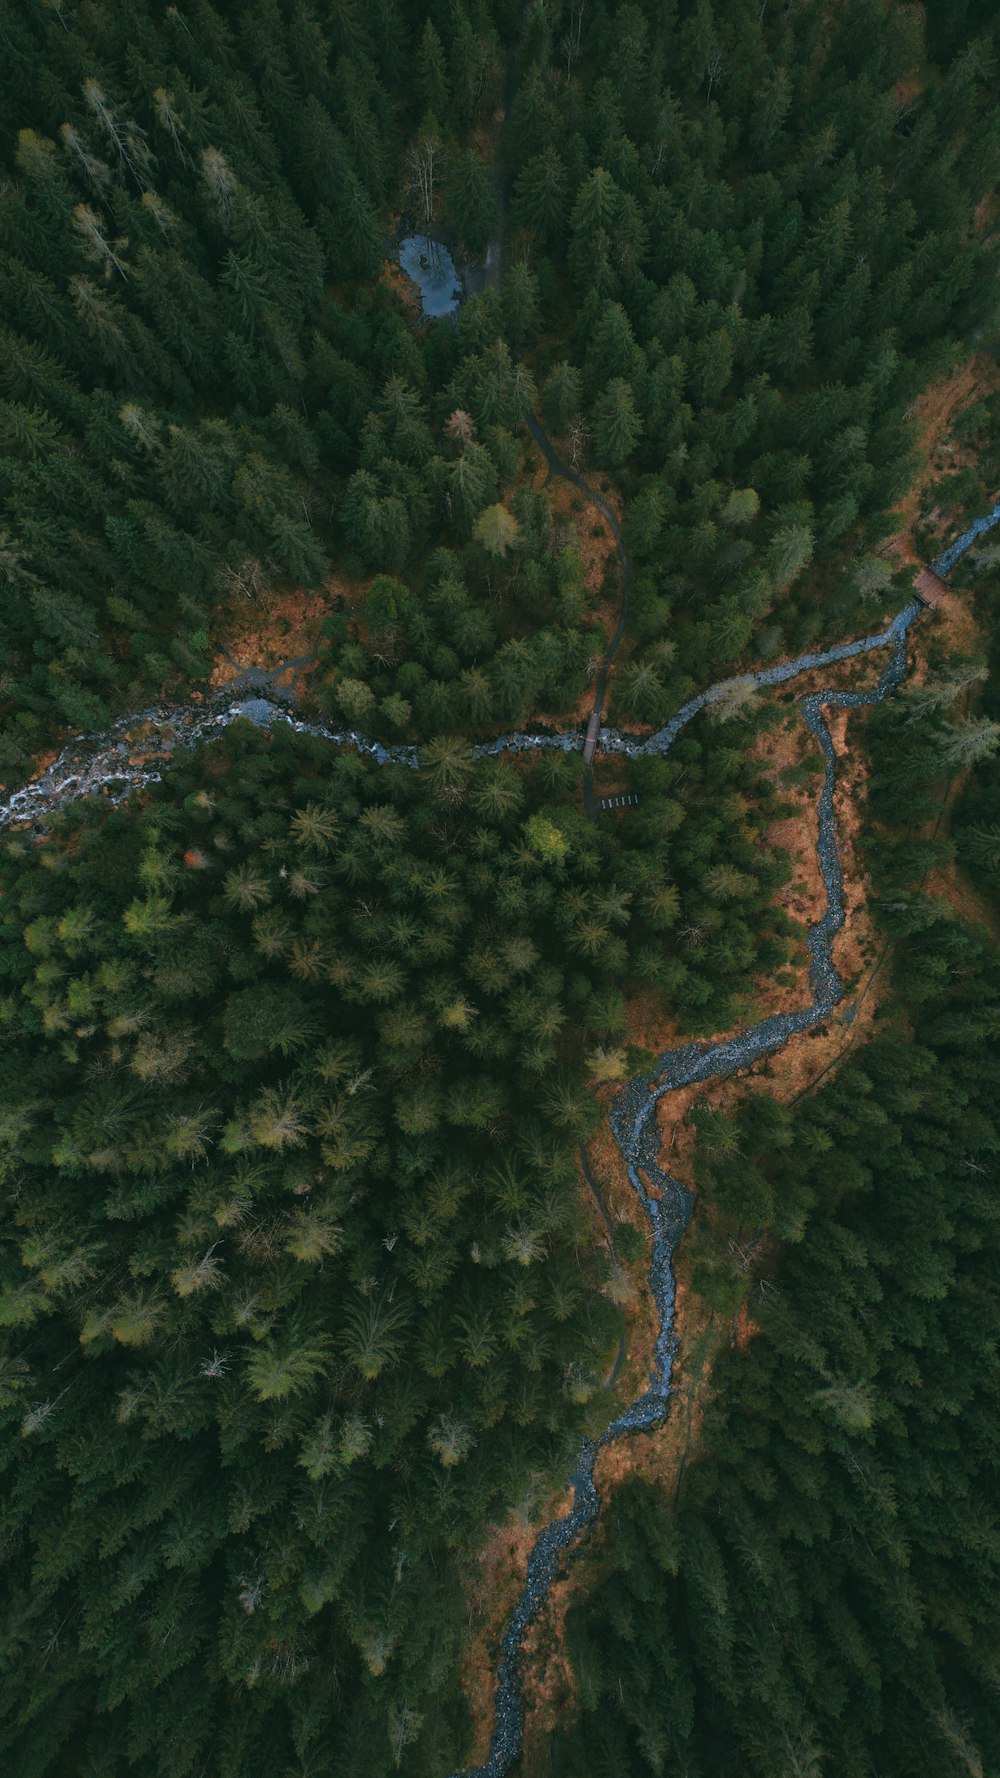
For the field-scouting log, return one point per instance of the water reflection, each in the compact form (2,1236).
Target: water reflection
(432,270)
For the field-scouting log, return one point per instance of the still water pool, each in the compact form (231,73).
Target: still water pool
(432,269)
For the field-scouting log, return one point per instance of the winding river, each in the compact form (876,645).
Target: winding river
(137,750)
(666,1202)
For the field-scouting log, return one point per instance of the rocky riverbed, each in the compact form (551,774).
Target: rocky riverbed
(137,750)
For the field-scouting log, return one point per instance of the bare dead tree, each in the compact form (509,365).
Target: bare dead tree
(579,435)
(571,42)
(170,120)
(95,171)
(127,139)
(99,248)
(220,179)
(423,157)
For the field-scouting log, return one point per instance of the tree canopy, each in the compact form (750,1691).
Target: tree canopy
(300,1289)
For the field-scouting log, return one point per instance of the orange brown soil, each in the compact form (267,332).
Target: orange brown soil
(494,1579)
(496,1575)
(578,523)
(576,713)
(660,1456)
(786,1074)
(803,899)
(43,761)
(856,945)
(590,532)
(647,1026)
(953,886)
(657,1458)
(40,765)
(791,1069)
(404,288)
(611,777)
(639,1311)
(744,1328)
(906,92)
(986,213)
(280,627)
(948,629)
(550,1696)
(935,412)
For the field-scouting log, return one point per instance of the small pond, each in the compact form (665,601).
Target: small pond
(432,269)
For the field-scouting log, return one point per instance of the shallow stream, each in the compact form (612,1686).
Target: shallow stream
(666,1202)
(137,750)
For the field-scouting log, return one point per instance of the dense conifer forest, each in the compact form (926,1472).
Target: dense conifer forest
(300,1289)
(739,242)
(820,1593)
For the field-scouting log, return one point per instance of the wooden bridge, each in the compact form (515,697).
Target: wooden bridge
(593,729)
(928,586)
